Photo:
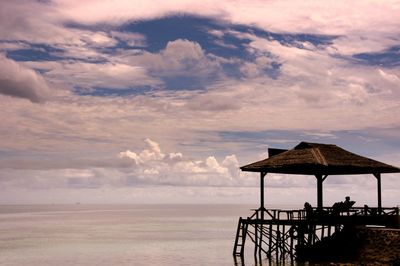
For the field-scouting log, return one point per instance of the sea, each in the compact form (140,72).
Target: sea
(81,234)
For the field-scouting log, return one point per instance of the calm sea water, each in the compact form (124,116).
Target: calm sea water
(119,234)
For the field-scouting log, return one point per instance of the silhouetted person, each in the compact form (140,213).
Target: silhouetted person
(309,209)
(347,204)
(341,206)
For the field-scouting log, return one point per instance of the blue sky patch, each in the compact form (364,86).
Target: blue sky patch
(113,92)
(387,58)
(185,82)
(37,52)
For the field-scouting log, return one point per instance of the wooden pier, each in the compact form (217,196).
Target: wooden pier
(290,234)
(287,234)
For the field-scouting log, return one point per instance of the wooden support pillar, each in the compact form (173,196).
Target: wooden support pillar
(378,179)
(283,242)
(262,205)
(262,210)
(320,180)
(256,237)
(277,242)
(270,242)
(262,176)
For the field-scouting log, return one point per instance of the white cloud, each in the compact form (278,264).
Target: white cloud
(132,39)
(130,155)
(22,82)
(9,46)
(90,75)
(388,76)
(154,167)
(97,39)
(147,155)
(179,58)
(363,42)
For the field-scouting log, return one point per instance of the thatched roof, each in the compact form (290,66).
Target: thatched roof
(319,159)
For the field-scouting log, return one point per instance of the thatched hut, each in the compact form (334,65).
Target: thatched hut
(295,232)
(320,160)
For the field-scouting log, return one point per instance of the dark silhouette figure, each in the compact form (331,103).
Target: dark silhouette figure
(347,204)
(309,210)
(342,206)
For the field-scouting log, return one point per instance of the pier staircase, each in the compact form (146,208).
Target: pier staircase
(241,233)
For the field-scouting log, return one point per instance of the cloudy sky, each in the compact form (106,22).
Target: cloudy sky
(162,101)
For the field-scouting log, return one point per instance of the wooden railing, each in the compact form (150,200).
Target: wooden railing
(279,214)
(302,214)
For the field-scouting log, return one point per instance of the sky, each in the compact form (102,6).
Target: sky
(162,101)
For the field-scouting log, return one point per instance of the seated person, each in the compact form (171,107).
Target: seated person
(309,209)
(341,206)
(347,204)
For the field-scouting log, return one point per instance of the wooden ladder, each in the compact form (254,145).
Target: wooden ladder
(238,249)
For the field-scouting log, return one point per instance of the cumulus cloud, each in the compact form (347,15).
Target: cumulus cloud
(152,166)
(19,81)
(179,58)
(151,154)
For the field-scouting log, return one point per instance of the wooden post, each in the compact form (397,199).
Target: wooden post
(320,180)
(378,179)
(319,192)
(262,207)
(256,237)
(277,242)
(283,242)
(270,241)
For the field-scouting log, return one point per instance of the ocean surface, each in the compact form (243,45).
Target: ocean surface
(119,234)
